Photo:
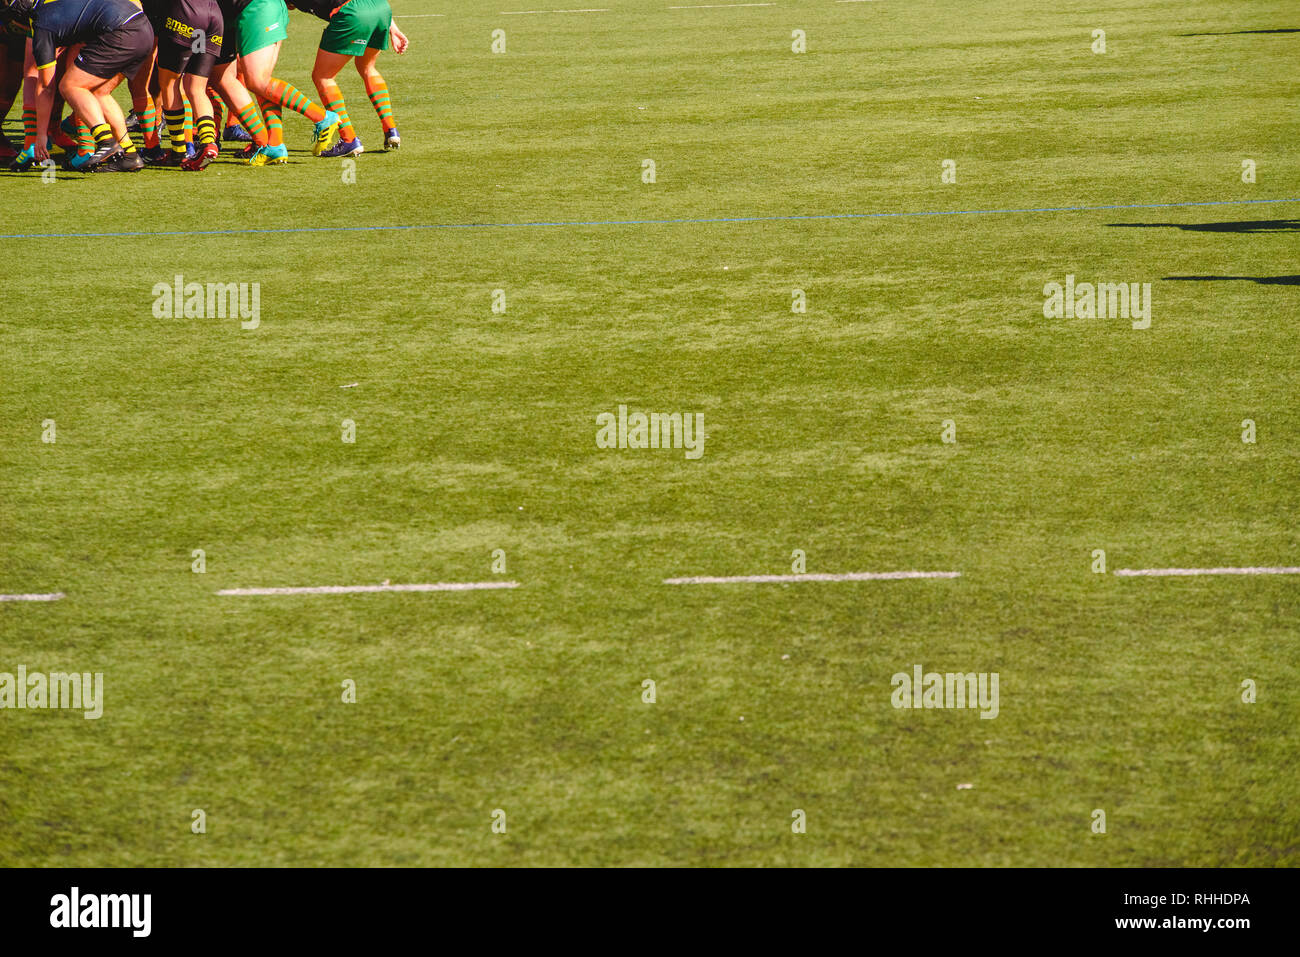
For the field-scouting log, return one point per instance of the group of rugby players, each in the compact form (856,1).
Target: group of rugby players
(184,60)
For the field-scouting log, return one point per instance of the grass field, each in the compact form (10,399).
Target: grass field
(476,430)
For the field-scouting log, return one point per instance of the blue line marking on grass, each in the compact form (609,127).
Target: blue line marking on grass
(639,222)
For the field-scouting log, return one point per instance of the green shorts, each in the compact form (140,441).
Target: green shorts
(356,25)
(262,23)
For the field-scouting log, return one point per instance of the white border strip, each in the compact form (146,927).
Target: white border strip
(814,577)
(354,589)
(1167,572)
(51,596)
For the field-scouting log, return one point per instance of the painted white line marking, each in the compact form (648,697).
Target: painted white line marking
(353,589)
(51,596)
(812,577)
(1165,572)
(519,13)
(715,6)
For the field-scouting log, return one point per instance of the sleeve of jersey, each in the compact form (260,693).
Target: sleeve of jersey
(43,48)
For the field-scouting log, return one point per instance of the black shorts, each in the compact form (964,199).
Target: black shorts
(118,51)
(229,47)
(229,40)
(156,11)
(13,42)
(178,33)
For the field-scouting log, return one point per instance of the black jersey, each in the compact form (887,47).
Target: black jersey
(61,23)
(321,8)
(230,10)
(13,24)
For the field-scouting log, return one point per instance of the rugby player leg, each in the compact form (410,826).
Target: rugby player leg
(226,78)
(377,90)
(258,65)
(82,90)
(205,126)
(56,134)
(324,75)
(11,84)
(91,97)
(30,83)
(143,103)
(173,106)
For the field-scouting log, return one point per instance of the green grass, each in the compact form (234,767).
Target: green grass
(475,431)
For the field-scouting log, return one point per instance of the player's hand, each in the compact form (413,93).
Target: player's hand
(39,153)
(399,38)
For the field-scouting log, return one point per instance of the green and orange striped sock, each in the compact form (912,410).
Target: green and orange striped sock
(232,116)
(149,123)
(189,121)
(85,142)
(377,90)
(286,94)
(334,101)
(252,121)
(274,122)
(217,104)
(29,127)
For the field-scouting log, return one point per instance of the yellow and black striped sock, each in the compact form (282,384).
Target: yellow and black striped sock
(175,128)
(205,130)
(127,143)
(102,134)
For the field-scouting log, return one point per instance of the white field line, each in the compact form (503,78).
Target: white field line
(520,13)
(718,6)
(51,596)
(354,589)
(1182,572)
(812,577)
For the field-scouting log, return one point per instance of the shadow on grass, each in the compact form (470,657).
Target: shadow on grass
(1243,226)
(63,175)
(1262,280)
(1233,33)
